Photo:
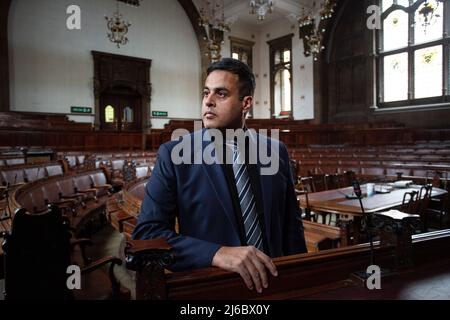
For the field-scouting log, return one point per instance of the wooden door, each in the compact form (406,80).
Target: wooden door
(120,112)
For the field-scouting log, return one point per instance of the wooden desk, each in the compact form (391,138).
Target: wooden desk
(335,201)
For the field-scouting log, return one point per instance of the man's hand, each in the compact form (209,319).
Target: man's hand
(249,262)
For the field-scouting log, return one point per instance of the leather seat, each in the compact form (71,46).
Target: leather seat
(34,174)
(54,170)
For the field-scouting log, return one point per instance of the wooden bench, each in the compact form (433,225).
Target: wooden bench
(320,236)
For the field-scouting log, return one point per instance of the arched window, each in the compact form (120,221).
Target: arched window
(109,114)
(281,76)
(413,53)
(127,115)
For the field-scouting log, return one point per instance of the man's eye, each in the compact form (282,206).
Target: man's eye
(222,94)
(205,93)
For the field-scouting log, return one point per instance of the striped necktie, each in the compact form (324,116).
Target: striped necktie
(247,201)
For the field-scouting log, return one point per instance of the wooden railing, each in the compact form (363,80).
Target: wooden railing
(299,276)
(57,132)
(302,133)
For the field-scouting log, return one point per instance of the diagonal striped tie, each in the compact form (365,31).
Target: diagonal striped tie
(247,201)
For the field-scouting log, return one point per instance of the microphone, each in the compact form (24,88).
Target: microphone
(368,217)
(357,190)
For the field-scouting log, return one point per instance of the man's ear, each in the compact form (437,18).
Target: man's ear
(247,103)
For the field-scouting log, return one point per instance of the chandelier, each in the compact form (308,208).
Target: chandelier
(118,28)
(261,7)
(311,29)
(133,3)
(212,19)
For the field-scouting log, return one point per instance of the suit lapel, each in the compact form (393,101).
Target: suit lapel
(218,184)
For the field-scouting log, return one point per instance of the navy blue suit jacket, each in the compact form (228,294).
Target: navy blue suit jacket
(198,195)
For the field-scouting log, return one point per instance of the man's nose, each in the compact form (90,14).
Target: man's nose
(209,101)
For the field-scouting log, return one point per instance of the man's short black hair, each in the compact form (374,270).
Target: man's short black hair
(246,77)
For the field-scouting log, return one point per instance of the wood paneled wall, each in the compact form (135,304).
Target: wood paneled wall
(71,140)
(58,133)
(4,61)
(300,133)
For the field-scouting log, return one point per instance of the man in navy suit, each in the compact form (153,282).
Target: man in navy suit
(230,215)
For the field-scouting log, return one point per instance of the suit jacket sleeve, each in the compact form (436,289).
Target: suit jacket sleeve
(294,239)
(157,218)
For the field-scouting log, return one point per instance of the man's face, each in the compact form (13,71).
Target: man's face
(221,106)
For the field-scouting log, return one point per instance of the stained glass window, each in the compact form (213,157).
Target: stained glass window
(277,57)
(404,3)
(287,56)
(385,4)
(395,28)
(280,73)
(430,28)
(412,51)
(428,72)
(396,77)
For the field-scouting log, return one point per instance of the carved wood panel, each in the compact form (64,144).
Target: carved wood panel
(117,74)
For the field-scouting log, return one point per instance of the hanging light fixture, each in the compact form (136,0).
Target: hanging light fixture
(133,3)
(212,18)
(310,26)
(118,28)
(261,8)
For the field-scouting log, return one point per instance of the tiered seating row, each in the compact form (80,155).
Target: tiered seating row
(20,174)
(418,160)
(77,195)
(76,160)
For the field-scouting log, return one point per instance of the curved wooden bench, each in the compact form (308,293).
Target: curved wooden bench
(124,207)
(80,196)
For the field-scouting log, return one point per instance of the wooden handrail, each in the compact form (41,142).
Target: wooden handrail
(299,275)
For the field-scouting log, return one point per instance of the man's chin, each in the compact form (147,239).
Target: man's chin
(208,124)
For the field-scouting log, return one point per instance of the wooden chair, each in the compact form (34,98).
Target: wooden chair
(38,254)
(409,202)
(304,187)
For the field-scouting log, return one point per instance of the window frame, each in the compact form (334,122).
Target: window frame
(280,44)
(243,46)
(410,50)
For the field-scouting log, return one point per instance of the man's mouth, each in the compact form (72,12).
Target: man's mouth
(209,115)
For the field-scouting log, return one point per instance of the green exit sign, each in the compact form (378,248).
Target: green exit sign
(160,113)
(81,109)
